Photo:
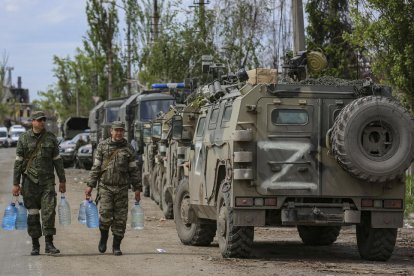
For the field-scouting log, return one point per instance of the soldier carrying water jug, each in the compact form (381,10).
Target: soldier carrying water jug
(37,156)
(114,170)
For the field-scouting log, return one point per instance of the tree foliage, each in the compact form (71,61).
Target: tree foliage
(328,22)
(385,31)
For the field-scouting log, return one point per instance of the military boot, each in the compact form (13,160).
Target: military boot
(35,247)
(50,248)
(116,246)
(103,240)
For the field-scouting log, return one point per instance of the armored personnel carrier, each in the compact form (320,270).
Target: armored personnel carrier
(312,155)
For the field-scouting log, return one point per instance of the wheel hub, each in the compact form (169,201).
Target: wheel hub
(377,139)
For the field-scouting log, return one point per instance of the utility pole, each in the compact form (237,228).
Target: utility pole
(128,22)
(156,20)
(298,27)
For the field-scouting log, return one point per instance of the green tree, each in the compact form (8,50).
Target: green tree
(241,26)
(385,31)
(328,23)
(103,28)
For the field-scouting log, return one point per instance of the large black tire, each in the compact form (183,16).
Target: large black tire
(155,183)
(145,183)
(375,244)
(190,233)
(318,235)
(234,241)
(166,199)
(372,139)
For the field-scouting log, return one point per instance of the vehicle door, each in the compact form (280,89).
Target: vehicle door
(288,147)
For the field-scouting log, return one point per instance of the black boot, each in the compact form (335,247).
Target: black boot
(35,247)
(116,246)
(50,248)
(103,240)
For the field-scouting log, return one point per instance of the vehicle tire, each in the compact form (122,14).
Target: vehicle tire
(375,244)
(190,233)
(234,241)
(145,183)
(372,139)
(166,199)
(318,235)
(157,185)
(154,194)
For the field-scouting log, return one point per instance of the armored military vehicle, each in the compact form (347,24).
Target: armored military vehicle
(317,156)
(141,108)
(166,156)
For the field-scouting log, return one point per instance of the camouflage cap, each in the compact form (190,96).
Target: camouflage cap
(38,115)
(118,124)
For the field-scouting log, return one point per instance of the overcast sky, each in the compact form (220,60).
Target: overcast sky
(33,31)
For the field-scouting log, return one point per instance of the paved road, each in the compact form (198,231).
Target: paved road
(277,251)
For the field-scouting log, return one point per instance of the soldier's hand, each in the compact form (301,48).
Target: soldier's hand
(16,189)
(88,192)
(62,187)
(138,196)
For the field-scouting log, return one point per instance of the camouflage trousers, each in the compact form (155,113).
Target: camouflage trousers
(113,210)
(40,201)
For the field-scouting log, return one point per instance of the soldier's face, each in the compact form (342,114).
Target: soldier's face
(117,134)
(39,124)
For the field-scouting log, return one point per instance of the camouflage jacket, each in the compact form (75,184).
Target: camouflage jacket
(119,171)
(46,158)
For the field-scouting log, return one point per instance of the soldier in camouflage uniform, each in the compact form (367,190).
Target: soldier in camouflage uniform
(37,155)
(115,169)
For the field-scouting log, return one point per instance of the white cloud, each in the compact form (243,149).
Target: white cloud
(15,6)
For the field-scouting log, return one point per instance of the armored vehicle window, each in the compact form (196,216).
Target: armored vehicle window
(213,118)
(289,117)
(200,126)
(150,109)
(112,114)
(226,115)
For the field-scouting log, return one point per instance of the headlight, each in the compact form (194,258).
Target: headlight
(69,149)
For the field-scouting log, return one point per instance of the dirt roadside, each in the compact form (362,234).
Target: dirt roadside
(157,250)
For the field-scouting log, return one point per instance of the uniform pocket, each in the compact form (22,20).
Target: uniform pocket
(123,161)
(46,150)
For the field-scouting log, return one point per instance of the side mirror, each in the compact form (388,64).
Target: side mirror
(177,127)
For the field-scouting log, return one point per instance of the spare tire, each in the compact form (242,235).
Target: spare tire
(372,139)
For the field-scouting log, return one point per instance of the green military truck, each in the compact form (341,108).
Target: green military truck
(101,118)
(309,155)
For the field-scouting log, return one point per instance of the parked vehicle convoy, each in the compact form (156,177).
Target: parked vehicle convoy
(134,111)
(316,155)
(164,156)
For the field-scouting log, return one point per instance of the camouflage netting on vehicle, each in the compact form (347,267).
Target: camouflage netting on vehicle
(361,87)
